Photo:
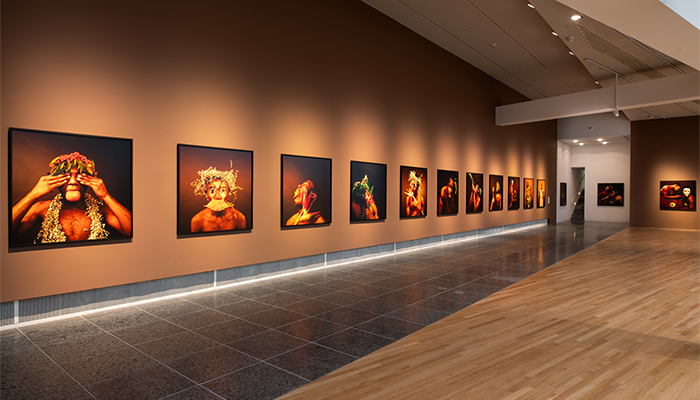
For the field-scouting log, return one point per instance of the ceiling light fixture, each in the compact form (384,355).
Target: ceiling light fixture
(530,5)
(554,33)
(571,53)
(575,140)
(600,139)
(576,17)
(580,144)
(605,142)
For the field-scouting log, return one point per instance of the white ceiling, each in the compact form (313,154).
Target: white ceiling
(640,40)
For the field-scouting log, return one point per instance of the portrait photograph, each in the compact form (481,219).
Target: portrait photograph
(69,188)
(678,195)
(562,193)
(367,191)
(495,192)
(447,192)
(541,193)
(611,194)
(215,190)
(513,192)
(475,187)
(528,193)
(306,191)
(414,189)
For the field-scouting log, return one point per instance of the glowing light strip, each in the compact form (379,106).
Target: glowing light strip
(216,286)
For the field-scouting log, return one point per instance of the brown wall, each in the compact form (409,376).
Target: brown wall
(663,150)
(330,79)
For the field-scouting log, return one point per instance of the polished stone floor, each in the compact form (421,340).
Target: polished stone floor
(261,340)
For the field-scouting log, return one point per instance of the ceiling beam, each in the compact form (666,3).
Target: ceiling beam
(634,95)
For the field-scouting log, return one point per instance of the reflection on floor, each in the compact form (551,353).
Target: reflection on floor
(264,339)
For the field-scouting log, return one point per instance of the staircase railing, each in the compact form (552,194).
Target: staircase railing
(577,191)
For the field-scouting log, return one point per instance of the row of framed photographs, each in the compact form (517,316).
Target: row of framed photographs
(678,195)
(86,194)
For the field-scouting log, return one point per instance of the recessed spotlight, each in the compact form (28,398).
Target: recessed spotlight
(530,5)
(580,144)
(605,142)
(575,140)
(554,33)
(597,83)
(576,17)
(571,53)
(600,139)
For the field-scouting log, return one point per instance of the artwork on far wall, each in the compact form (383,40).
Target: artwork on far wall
(513,192)
(447,192)
(215,190)
(475,186)
(678,195)
(367,191)
(562,193)
(541,193)
(611,194)
(306,191)
(414,188)
(69,188)
(495,192)
(528,193)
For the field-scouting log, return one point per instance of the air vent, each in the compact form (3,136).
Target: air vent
(605,47)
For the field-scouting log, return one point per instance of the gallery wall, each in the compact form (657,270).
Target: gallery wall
(663,150)
(604,164)
(324,79)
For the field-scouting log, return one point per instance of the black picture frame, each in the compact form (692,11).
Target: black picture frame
(413,203)
(529,193)
(562,194)
(447,192)
(513,197)
(541,193)
(367,191)
(611,195)
(678,195)
(475,188)
(110,159)
(495,192)
(202,166)
(303,204)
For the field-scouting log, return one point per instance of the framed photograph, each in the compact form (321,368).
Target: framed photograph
(495,192)
(541,193)
(678,195)
(447,193)
(367,191)
(528,193)
(414,187)
(214,190)
(611,194)
(306,191)
(562,193)
(69,188)
(475,186)
(513,192)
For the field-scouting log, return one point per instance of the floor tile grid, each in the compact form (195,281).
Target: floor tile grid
(130,372)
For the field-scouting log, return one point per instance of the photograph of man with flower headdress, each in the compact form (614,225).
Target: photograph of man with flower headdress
(215,189)
(414,186)
(70,202)
(367,191)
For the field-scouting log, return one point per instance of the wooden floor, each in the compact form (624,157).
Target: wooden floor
(618,320)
